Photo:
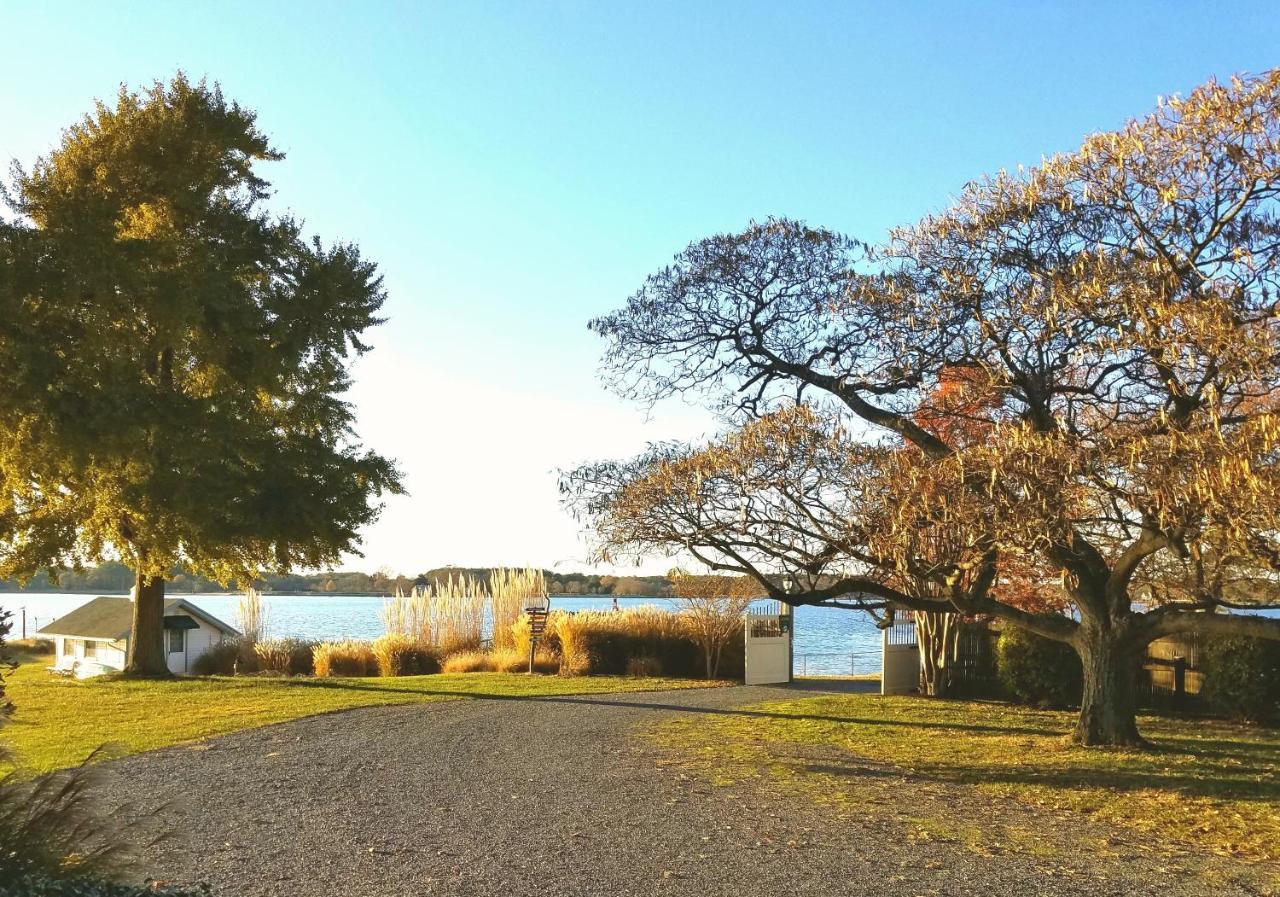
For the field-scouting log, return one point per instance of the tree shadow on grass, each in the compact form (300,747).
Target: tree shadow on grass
(1234,784)
(1236,769)
(597,701)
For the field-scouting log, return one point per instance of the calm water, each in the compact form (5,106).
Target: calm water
(828,640)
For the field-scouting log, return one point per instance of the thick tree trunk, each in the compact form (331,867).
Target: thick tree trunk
(1108,708)
(146,640)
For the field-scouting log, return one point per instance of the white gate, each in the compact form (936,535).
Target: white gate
(900,662)
(767,629)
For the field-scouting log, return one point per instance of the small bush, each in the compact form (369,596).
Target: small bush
(399,655)
(289,656)
(219,659)
(348,658)
(644,667)
(1242,678)
(543,662)
(1039,671)
(509,660)
(467,662)
(503,661)
(35,645)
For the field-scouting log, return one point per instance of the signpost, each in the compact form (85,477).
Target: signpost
(538,607)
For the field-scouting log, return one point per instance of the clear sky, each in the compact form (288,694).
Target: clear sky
(518,168)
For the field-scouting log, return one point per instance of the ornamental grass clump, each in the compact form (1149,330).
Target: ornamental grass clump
(503,661)
(349,658)
(287,657)
(251,617)
(448,616)
(467,662)
(510,592)
(399,655)
(606,642)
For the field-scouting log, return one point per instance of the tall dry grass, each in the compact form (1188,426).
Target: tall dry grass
(251,617)
(509,594)
(399,655)
(503,661)
(522,634)
(288,656)
(447,617)
(572,631)
(348,658)
(616,643)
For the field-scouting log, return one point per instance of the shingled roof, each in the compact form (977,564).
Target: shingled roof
(111,618)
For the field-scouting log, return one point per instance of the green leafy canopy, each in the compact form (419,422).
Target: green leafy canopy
(174,356)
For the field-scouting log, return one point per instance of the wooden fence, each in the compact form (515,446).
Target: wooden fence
(1171,676)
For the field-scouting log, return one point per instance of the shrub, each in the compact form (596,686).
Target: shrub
(522,635)
(508,660)
(348,658)
(219,659)
(644,667)
(399,655)
(1037,670)
(604,643)
(504,661)
(35,645)
(289,656)
(1242,677)
(467,662)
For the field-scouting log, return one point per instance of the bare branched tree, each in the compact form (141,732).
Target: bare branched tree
(1118,308)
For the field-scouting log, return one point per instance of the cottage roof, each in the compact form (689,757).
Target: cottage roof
(108,617)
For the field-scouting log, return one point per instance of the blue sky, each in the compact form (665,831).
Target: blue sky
(517,168)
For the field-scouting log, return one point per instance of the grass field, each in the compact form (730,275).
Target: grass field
(59,722)
(1211,784)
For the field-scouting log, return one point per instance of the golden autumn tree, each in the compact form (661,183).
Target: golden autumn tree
(713,605)
(1118,304)
(792,503)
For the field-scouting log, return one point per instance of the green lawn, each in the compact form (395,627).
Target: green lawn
(60,721)
(1212,784)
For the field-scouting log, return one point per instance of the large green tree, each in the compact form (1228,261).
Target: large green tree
(174,359)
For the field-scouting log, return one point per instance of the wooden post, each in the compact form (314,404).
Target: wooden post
(1179,680)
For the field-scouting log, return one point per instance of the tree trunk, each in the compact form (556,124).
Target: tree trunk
(1108,707)
(146,640)
(936,636)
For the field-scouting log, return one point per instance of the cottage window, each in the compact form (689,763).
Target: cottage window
(68,647)
(176,637)
(90,649)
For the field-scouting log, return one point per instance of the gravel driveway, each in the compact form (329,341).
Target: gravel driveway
(557,796)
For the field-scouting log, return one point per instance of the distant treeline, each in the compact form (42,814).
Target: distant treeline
(116,577)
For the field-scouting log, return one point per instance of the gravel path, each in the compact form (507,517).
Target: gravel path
(557,796)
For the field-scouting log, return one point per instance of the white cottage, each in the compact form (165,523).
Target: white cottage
(94,638)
